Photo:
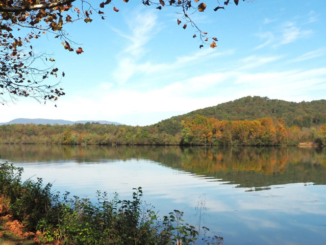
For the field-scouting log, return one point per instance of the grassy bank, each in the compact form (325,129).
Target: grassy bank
(44,217)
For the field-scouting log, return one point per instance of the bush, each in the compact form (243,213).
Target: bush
(79,221)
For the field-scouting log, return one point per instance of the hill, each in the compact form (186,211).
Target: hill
(302,114)
(38,121)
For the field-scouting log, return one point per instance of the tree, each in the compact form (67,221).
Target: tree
(20,77)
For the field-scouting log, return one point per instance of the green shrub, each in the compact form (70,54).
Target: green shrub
(80,221)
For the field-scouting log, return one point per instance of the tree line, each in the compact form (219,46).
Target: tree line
(198,130)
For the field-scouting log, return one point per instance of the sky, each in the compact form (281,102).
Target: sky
(139,67)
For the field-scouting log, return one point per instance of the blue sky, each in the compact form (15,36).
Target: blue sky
(140,67)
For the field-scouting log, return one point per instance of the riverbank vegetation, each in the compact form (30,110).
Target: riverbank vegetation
(47,217)
(196,130)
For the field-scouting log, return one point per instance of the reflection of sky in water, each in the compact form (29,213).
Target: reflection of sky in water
(285,214)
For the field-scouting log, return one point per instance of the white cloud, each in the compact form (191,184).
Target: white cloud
(183,61)
(268,36)
(310,55)
(312,17)
(288,32)
(291,32)
(267,21)
(143,26)
(134,106)
(254,61)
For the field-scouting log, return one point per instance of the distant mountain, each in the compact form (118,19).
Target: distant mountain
(302,114)
(55,121)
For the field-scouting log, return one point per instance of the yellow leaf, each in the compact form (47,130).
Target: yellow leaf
(213,45)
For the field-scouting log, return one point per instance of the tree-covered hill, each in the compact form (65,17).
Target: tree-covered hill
(303,114)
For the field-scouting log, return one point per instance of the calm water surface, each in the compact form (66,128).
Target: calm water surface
(247,195)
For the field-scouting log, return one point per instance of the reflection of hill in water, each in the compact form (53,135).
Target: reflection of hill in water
(247,166)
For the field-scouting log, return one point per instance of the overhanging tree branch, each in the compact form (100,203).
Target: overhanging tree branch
(35,7)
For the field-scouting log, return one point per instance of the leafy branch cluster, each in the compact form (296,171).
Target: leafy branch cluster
(20,76)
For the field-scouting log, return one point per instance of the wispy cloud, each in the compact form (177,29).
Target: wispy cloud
(267,21)
(256,61)
(268,36)
(142,27)
(312,17)
(310,55)
(291,32)
(288,32)
(183,61)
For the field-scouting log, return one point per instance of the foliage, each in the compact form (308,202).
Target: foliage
(303,114)
(79,221)
(199,130)
(22,21)
(322,135)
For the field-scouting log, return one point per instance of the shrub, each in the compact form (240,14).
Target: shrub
(79,221)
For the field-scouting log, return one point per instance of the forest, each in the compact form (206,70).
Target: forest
(303,114)
(246,121)
(198,130)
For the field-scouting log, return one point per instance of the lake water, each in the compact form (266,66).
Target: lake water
(246,195)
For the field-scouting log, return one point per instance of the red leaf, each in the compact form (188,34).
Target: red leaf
(79,50)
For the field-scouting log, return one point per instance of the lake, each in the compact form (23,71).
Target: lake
(247,195)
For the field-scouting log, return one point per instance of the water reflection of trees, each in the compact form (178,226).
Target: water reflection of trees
(245,166)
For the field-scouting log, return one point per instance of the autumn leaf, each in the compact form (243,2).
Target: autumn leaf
(205,33)
(159,7)
(184,26)
(236,2)
(226,2)
(79,50)
(105,3)
(213,45)
(218,7)
(63,74)
(200,46)
(179,21)
(206,39)
(162,3)
(194,36)
(52,60)
(126,1)
(115,9)
(215,39)
(196,1)
(201,7)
